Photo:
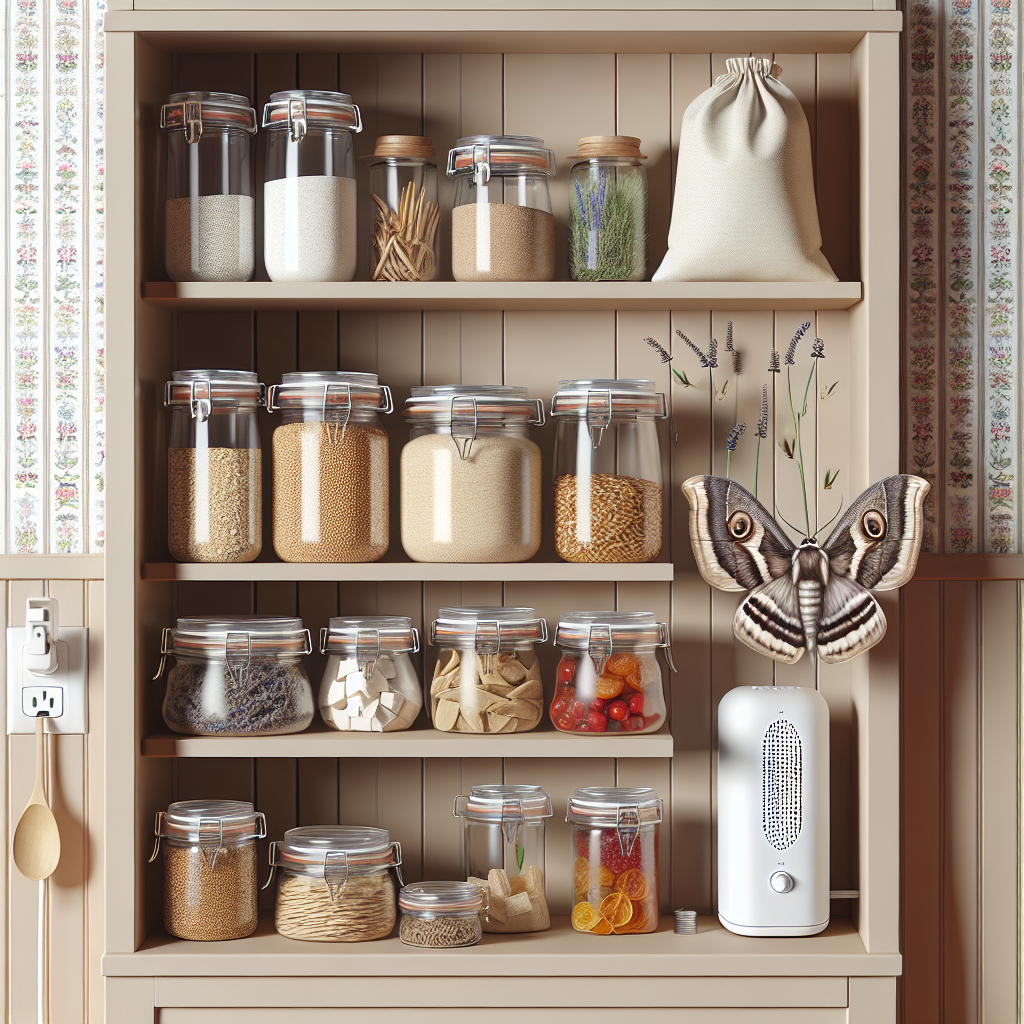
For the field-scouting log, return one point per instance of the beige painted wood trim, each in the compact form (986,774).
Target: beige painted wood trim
(970,567)
(51,567)
(465,1015)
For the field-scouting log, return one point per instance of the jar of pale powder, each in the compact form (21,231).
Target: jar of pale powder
(330,467)
(209,212)
(309,195)
(471,475)
(502,225)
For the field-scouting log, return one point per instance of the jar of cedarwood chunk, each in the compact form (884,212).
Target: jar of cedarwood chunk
(608,497)
(330,467)
(471,475)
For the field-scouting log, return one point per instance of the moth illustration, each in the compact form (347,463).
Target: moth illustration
(811,597)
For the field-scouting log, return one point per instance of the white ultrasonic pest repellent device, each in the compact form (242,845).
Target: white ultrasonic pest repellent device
(773,811)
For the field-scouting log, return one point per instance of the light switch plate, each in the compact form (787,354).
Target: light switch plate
(71,675)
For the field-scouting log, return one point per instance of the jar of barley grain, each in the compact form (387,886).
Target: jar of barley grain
(330,467)
(209,868)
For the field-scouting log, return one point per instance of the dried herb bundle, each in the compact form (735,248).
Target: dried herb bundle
(403,239)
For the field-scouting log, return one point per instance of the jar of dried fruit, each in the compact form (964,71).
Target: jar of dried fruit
(237,677)
(608,498)
(614,842)
(502,225)
(471,474)
(503,834)
(330,467)
(609,679)
(487,676)
(403,211)
(370,684)
(209,867)
(441,915)
(214,462)
(336,883)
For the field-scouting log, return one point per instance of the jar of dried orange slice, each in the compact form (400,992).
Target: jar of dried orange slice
(615,859)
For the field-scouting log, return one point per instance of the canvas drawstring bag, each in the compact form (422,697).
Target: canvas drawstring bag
(744,206)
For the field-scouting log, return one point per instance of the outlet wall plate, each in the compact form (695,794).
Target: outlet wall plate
(71,675)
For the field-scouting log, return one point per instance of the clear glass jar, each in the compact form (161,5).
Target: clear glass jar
(503,832)
(502,225)
(614,843)
(330,467)
(210,889)
(609,679)
(487,677)
(608,499)
(336,883)
(214,463)
(608,210)
(441,914)
(403,209)
(209,211)
(309,195)
(471,475)
(370,684)
(236,677)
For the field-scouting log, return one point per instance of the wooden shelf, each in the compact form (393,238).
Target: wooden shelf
(423,572)
(421,741)
(544,296)
(970,567)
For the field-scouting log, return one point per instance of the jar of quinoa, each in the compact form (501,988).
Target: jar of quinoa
(330,467)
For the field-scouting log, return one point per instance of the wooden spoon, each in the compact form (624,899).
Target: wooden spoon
(37,838)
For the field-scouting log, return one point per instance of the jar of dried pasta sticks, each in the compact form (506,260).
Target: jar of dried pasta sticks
(441,914)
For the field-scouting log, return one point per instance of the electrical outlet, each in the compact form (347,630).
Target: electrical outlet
(70,679)
(42,701)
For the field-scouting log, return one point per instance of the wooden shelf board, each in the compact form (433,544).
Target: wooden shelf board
(559,952)
(501,572)
(421,741)
(970,567)
(549,295)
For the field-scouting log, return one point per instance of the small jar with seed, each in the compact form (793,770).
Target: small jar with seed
(209,868)
(441,915)
(487,677)
(237,677)
(214,463)
(330,467)
(403,211)
(608,496)
(336,883)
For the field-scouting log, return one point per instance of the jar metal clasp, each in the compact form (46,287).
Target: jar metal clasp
(297,118)
(481,164)
(344,389)
(335,872)
(211,839)
(511,822)
(599,414)
(463,424)
(627,826)
(192,119)
(599,644)
(165,649)
(200,404)
(367,650)
(233,647)
(158,832)
(275,846)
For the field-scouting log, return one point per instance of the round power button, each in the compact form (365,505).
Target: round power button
(781,881)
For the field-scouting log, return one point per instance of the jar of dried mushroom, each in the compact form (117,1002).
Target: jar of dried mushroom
(608,498)
(209,868)
(503,832)
(614,842)
(336,883)
(487,676)
(502,225)
(209,211)
(608,678)
(214,462)
(237,677)
(404,212)
(370,684)
(471,475)
(330,467)
(441,914)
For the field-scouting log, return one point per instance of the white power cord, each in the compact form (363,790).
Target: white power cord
(41,979)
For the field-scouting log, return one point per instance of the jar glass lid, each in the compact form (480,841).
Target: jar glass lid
(504,803)
(367,636)
(191,112)
(599,633)
(334,391)
(202,390)
(217,638)
(462,405)
(488,629)
(311,845)
(442,897)
(614,807)
(597,400)
(298,110)
(501,155)
(210,823)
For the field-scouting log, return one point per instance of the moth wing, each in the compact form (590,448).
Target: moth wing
(852,621)
(768,621)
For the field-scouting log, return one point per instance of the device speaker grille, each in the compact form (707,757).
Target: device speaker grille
(782,785)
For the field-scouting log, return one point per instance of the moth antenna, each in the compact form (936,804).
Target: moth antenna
(799,533)
(831,521)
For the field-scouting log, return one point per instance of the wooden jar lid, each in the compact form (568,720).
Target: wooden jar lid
(591,146)
(404,145)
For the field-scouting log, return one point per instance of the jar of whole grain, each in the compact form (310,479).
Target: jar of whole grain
(330,467)
(441,914)
(608,497)
(487,676)
(336,883)
(370,684)
(471,475)
(209,211)
(237,677)
(213,466)
(309,194)
(209,868)
(502,225)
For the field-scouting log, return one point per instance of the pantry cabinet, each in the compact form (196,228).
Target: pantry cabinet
(558,75)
